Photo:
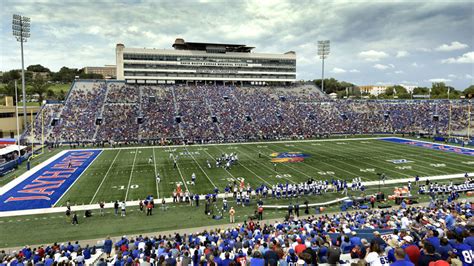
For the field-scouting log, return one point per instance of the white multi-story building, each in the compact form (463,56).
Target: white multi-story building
(204,63)
(375,90)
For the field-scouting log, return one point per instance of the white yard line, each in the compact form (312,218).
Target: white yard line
(330,165)
(202,170)
(271,169)
(287,165)
(131,174)
(222,195)
(179,171)
(156,181)
(85,170)
(105,177)
(243,165)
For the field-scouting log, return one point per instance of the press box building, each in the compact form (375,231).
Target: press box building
(193,62)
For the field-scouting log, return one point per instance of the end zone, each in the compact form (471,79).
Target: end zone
(433,146)
(43,186)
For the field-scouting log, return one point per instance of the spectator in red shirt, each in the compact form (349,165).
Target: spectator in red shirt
(300,247)
(411,249)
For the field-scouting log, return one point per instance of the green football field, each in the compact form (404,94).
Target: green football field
(126,174)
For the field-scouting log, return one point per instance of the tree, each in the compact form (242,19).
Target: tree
(332,85)
(9,89)
(65,74)
(469,90)
(421,91)
(39,87)
(11,75)
(37,68)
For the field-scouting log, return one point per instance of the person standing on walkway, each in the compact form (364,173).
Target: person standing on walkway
(123,206)
(74,219)
(101,208)
(149,208)
(108,246)
(232,215)
(116,206)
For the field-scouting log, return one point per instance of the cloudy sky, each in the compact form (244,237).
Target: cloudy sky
(372,42)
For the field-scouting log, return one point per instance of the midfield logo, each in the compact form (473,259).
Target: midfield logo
(288,157)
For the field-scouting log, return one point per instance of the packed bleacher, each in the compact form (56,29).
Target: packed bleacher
(440,233)
(211,113)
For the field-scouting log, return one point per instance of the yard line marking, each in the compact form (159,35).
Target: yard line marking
(179,171)
(246,154)
(419,155)
(202,170)
(156,181)
(303,173)
(131,173)
(330,165)
(247,170)
(311,166)
(386,163)
(222,168)
(105,177)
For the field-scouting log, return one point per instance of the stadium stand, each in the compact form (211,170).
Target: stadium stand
(210,113)
(417,235)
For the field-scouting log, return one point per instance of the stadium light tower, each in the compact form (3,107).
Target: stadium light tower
(323,52)
(21,30)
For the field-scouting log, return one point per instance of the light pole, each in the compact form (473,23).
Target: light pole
(21,30)
(323,52)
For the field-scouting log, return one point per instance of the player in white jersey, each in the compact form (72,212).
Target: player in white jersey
(193,179)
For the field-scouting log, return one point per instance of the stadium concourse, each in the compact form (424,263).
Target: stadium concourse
(111,111)
(440,233)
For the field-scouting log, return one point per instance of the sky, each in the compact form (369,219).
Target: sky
(372,42)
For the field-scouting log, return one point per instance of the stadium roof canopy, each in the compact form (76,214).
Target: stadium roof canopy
(180,44)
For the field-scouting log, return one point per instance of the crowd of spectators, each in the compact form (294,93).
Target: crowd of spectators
(71,253)
(229,113)
(441,231)
(43,122)
(78,116)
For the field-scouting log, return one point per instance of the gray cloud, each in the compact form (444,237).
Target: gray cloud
(83,33)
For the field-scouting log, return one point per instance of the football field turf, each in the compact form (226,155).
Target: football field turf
(126,173)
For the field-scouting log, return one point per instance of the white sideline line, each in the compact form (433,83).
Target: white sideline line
(29,173)
(222,195)
(131,173)
(105,177)
(65,192)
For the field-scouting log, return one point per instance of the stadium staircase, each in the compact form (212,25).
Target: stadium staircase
(176,111)
(140,112)
(101,110)
(389,120)
(318,90)
(212,115)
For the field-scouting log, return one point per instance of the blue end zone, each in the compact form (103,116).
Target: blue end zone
(46,186)
(433,146)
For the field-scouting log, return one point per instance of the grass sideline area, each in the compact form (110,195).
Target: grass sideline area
(50,228)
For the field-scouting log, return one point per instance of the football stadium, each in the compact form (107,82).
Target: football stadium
(218,153)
